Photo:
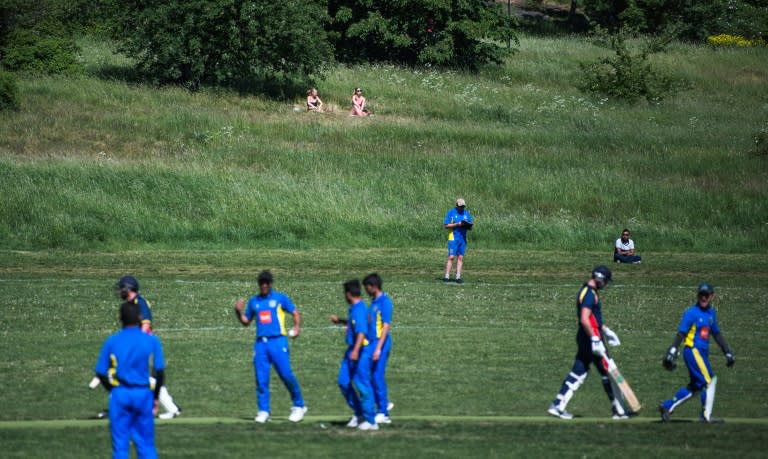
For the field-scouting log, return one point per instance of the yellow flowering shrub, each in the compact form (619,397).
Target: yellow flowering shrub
(727,40)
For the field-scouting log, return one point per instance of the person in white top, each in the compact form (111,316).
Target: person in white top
(624,251)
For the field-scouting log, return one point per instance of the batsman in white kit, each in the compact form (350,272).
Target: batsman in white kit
(127,288)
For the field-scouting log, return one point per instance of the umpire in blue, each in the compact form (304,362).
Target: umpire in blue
(126,357)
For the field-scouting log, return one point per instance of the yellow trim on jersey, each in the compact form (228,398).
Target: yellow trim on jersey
(702,365)
(281,319)
(379,324)
(583,293)
(690,336)
(112,372)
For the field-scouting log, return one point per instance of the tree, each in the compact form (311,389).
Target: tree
(457,33)
(195,42)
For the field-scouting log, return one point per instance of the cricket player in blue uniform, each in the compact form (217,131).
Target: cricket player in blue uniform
(355,371)
(123,368)
(128,289)
(381,325)
(591,349)
(457,221)
(268,309)
(698,323)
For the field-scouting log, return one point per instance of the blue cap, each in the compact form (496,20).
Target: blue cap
(706,288)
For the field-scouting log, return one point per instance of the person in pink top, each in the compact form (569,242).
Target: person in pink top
(358,104)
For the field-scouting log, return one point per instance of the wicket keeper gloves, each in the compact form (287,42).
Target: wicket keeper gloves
(669,359)
(598,348)
(611,336)
(730,359)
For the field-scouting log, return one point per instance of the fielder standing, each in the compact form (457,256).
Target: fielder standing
(591,349)
(268,308)
(123,369)
(457,221)
(355,371)
(699,322)
(381,321)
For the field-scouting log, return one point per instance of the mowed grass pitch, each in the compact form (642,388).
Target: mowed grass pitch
(473,371)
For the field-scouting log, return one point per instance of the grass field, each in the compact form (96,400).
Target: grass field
(195,193)
(473,370)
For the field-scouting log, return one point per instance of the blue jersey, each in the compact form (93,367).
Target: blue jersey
(145,308)
(381,313)
(697,325)
(125,357)
(588,298)
(269,313)
(357,322)
(454,216)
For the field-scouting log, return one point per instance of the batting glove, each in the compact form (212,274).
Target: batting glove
(598,348)
(611,336)
(670,358)
(730,359)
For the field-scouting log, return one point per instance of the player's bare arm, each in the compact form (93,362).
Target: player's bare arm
(337,320)
(296,324)
(239,306)
(380,344)
(354,355)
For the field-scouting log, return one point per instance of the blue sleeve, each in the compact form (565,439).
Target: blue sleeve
(686,322)
(448,217)
(588,300)
(159,359)
(386,311)
(469,217)
(287,304)
(146,311)
(103,363)
(249,309)
(360,317)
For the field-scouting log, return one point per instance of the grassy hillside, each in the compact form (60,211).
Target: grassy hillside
(95,162)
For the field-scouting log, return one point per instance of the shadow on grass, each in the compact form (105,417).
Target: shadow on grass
(275,87)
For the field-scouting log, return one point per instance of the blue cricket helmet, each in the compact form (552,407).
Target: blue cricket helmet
(602,275)
(128,283)
(706,288)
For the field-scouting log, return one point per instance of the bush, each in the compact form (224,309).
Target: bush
(733,41)
(38,52)
(195,42)
(441,32)
(626,75)
(9,92)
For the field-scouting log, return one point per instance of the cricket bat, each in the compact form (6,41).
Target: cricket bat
(625,392)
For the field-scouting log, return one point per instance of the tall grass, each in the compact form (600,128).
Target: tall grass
(94,161)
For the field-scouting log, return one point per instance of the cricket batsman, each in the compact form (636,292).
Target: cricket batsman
(699,322)
(127,288)
(591,349)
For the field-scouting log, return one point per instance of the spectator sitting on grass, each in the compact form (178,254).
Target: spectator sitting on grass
(624,252)
(314,104)
(358,104)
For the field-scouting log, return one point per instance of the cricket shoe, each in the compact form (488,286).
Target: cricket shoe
(459,280)
(664,413)
(562,414)
(103,414)
(365,425)
(353,423)
(390,406)
(619,416)
(297,413)
(169,415)
(262,417)
(382,418)
(446,280)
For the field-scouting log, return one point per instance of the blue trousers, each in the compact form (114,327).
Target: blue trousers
(700,373)
(266,353)
(355,384)
(130,418)
(626,258)
(378,379)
